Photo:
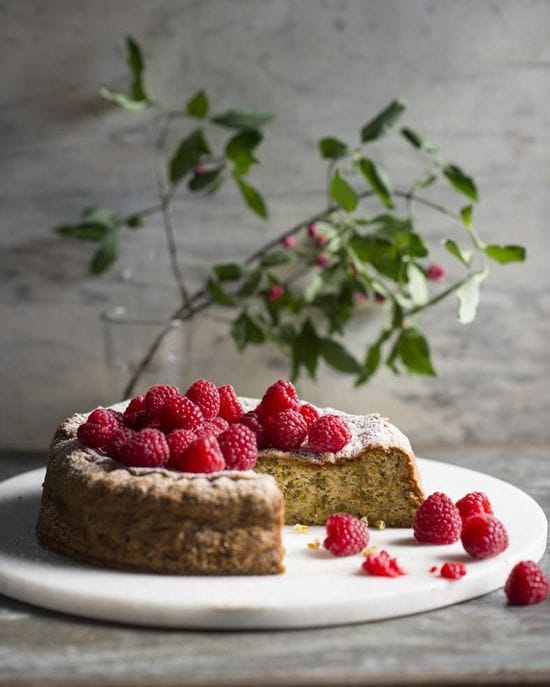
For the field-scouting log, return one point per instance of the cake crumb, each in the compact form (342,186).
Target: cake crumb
(370,549)
(302,529)
(365,520)
(315,544)
(379,524)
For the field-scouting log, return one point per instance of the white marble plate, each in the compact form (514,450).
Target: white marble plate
(317,589)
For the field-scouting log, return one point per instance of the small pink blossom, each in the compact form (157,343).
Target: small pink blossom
(289,241)
(312,230)
(275,292)
(322,260)
(436,273)
(359,297)
(321,240)
(199,169)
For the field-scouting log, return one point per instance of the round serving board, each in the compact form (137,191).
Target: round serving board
(317,589)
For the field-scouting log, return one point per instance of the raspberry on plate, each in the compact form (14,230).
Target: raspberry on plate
(473,503)
(156,397)
(309,413)
(179,412)
(382,564)
(147,448)
(286,430)
(252,421)
(206,396)
(178,442)
(100,429)
(203,455)
(346,535)
(329,433)
(527,584)
(437,521)
(220,424)
(135,416)
(484,536)
(210,427)
(279,396)
(238,445)
(230,406)
(453,570)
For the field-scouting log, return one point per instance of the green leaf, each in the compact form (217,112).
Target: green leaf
(277,257)
(417,285)
(245,330)
(105,255)
(379,125)
(465,256)
(250,284)
(99,214)
(83,232)
(204,180)
(373,357)
(343,193)
(251,197)
(379,252)
(187,156)
(419,141)
(231,271)
(466,216)
(378,180)
(505,254)
(315,285)
(461,181)
(123,100)
(305,350)
(137,67)
(239,149)
(414,352)
(197,106)
(218,295)
(426,181)
(332,148)
(242,119)
(134,221)
(468,296)
(335,355)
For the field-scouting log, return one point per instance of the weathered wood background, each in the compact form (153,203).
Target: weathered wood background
(476,77)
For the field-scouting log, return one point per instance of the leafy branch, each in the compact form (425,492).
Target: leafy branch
(300,290)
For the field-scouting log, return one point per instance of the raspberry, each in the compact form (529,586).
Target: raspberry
(178,442)
(123,436)
(220,424)
(203,455)
(156,397)
(527,584)
(382,564)
(205,394)
(473,503)
(483,536)
(279,396)
(238,445)
(453,571)
(100,429)
(251,421)
(179,412)
(286,430)
(230,406)
(210,427)
(346,534)
(147,448)
(437,521)
(309,413)
(135,416)
(329,433)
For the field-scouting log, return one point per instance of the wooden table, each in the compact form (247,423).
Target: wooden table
(475,643)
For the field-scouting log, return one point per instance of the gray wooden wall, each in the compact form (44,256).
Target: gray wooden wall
(476,76)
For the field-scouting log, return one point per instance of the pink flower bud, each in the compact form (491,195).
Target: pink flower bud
(275,292)
(289,241)
(312,230)
(359,297)
(322,260)
(321,240)
(199,169)
(436,273)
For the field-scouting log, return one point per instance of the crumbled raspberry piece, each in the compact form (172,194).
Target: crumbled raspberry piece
(100,429)
(437,521)
(433,569)
(484,536)
(178,442)
(279,396)
(473,503)
(329,433)
(230,406)
(135,415)
(309,413)
(252,421)
(206,396)
(452,570)
(147,448)
(285,430)
(155,399)
(382,564)
(179,412)
(527,584)
(203,455)
(238,445)
(346,535)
